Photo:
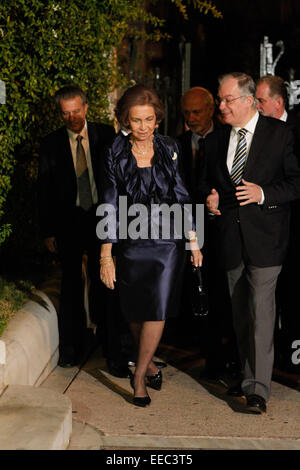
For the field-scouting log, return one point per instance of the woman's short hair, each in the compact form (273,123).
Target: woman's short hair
(138,95)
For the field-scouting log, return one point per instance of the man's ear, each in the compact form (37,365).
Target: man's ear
(251,99)
(279,101)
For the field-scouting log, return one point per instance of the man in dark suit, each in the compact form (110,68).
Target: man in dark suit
(68,197)
(249,183)
(198,108)
(272,99)
(217,337)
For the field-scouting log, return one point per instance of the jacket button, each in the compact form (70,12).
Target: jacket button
(238,221)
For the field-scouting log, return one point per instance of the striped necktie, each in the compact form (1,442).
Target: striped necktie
(239,158)
(83,180)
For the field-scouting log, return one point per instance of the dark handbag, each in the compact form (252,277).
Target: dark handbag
(198,295)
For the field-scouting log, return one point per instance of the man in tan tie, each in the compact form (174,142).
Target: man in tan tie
(68,196)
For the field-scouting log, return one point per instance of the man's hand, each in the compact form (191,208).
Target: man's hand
(249,193)
(50,243)
(212,202)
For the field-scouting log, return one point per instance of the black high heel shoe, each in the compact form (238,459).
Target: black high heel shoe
(139,401)
(155,381)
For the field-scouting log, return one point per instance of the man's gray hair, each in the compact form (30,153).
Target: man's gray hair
(246,83)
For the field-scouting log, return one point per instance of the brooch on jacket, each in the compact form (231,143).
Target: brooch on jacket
(174,156)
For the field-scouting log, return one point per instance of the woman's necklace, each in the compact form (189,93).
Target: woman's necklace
(136,149)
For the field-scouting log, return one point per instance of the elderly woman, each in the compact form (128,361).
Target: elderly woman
(143,166)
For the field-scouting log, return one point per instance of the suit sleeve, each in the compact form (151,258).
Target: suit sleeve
(108,210)
(46,196)
(181,193)
(287,188)
(204,185)
(181,160)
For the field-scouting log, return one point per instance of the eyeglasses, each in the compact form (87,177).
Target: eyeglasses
(218,100)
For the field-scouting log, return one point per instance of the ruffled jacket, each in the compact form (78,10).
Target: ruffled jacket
(120,175)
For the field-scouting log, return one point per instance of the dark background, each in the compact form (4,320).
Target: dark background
(223,45)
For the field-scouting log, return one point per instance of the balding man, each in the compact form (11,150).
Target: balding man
(198,109)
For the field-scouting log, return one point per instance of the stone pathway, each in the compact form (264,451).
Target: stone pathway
(188,413)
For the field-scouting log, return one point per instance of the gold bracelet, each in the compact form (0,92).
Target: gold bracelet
(106,260)
(193,239)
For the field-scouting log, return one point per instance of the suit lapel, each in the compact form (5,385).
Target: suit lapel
(188,157)
(65,151)
(67,170)
(259,138)
(224,143)
(93,144)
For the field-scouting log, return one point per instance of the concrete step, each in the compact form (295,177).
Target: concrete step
(34,419)
(29,345)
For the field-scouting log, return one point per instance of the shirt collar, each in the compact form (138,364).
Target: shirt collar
(284,116)
(196,136)
(250,126)
(73,135)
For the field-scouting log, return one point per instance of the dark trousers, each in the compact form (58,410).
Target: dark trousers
(288,317)
(220,337)
(77,238)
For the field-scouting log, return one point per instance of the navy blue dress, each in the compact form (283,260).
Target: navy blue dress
(149,271)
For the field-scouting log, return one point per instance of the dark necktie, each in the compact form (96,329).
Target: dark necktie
(239,158)
(197,165)
(199,153)
(201,150)
(83,180)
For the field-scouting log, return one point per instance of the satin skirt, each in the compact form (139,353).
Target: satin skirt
(149,277)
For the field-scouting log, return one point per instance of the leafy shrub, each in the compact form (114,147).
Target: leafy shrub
(45,44)
(12,297)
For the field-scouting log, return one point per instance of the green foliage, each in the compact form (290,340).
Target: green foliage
(5,232)
(12,297)
(202,6)
(45,44)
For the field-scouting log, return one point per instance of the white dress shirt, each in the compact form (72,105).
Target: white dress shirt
(233,142)
(234,138)
(284,116)
(86,146)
